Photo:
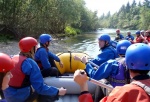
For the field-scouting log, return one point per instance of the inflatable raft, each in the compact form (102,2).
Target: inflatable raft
(70,65)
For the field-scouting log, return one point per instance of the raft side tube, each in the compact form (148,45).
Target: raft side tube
(69,64)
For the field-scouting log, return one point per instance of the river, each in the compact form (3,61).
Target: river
(88,42)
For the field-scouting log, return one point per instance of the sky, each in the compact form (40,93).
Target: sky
(104,6)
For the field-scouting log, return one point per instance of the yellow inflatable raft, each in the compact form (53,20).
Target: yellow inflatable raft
(69,64)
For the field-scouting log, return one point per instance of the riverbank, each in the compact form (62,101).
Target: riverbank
(12,48)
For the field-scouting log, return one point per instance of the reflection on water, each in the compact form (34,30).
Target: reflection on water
(88,42)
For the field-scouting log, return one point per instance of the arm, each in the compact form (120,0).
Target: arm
(105,70)
(85,96)
(132,38)
(56,58)
(29,67)
(81,80)
(51,55)
(43,57)
(121,36)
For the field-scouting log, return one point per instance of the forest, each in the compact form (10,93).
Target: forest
(130,16)
(33,17)
(19,18)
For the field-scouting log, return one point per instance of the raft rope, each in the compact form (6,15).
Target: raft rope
(99,83)
(70,59)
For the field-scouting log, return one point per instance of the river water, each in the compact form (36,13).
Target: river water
(88,42)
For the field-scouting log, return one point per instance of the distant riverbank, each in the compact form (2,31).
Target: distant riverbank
(11,47)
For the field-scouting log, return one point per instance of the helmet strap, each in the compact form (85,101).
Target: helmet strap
(106,44)
(46,44)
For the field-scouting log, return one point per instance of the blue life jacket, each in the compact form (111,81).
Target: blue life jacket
(122,77)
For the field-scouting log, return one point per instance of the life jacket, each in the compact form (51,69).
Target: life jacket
(139,40)
(143,86)
(19,79)
(148,39)
(122,76)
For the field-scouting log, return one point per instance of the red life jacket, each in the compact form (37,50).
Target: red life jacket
(139,40)
(148,39)
(19,79)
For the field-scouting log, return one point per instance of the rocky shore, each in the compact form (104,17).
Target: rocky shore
(12,48)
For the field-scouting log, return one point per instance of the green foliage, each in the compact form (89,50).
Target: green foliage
(69,31)
(33,17)
(6,37)
(130,16)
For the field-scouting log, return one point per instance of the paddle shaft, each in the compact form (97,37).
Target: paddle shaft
(95,65)
(100,84)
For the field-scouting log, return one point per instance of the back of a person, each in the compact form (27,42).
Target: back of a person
(106,54)
(139,39)
(121,77)
(147,39)
(111,52)
(128,93)
(40,54)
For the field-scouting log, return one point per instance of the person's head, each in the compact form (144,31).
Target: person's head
(27,46)
(143,32)
(45,39)
(122,47)
(104,40)
(118,31)
(147,33)
(128,33)
(6,63)
(137,58)
(138,33)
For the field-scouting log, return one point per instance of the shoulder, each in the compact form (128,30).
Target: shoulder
(129,89)
(41,49)
(29,61)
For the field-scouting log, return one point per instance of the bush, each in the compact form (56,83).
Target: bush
(5,38)
(69,31)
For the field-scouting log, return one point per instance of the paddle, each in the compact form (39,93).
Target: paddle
(100,83)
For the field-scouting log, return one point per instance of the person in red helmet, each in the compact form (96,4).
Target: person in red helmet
(137,91)
(119,35)
(26,73)
(6,64)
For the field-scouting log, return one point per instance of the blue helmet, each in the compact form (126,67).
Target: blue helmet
(45,38)
(138,32)
(104,37)
(122,46)
(137,57)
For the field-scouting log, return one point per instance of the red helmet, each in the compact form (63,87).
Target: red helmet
(118,30)
(27,43)
(6,63)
